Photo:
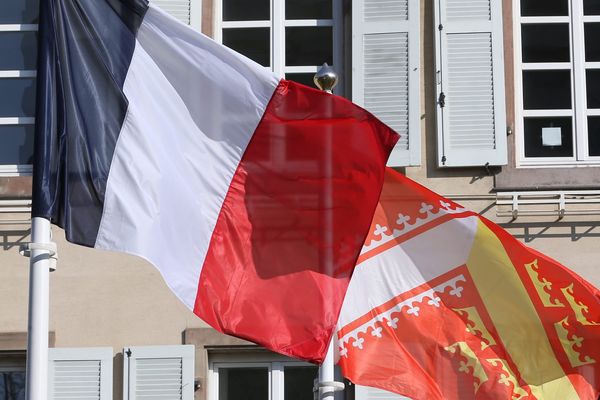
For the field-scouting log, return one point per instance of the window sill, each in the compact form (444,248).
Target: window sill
(15,187)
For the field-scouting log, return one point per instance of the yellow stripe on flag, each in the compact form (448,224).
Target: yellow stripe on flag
(515,318)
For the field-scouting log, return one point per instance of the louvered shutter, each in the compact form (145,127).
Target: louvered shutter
(385,62)
(470,83)
(158,372)
(187,11)
(80,373)
(369,393)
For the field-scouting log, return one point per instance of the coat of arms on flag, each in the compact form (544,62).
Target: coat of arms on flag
(444,304)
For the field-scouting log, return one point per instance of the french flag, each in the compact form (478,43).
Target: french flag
(250,194)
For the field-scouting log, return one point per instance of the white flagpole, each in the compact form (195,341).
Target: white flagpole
(40,250)
(326,79)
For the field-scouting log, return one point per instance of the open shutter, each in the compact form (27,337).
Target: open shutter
(187,11)
(385,62)
(470,83)
(369,393)
(158,372)
(80,373)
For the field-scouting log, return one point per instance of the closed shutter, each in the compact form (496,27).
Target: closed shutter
(369,393)
(187,11)
(470,83)
(385,62)
(158,372)
(80,373)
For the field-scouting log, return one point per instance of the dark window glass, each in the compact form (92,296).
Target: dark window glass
(545,42)
(244,10)
(303,78)
(254,43)
(12,385)
(591,7)
(594,136)
(17,97)
(19,11)
(16,146)
(547,89)
(535,8)
(534,142)
(592,44)
(298,382)
(308,46)
(308,9)
(18,49)
(243,383)
(592,86)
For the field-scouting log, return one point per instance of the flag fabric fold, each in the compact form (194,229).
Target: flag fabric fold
(445,304)
(154,140)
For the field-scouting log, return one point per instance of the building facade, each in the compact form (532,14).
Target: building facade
(497,108)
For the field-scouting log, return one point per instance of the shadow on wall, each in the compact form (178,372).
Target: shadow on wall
(575,230)
(12,238)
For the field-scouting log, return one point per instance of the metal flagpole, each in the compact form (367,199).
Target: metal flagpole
(42,253)
(326,79)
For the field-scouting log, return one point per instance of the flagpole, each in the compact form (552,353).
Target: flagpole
(40,251)
(326,79)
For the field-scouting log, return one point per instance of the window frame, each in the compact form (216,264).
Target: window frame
(274,363)
(577,67)
(7,170)
(277,24)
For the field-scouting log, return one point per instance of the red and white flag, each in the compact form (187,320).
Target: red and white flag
(444,304)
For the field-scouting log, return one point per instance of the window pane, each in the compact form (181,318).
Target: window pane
(18,97)
(16,146)
(547,89)
(594,136)
(12,385)
(303,78)
(545,42)
(244,10)
(592,44)
(541,140)
(254,43)
(534,8)
(308,46)
(19,11)
(591,7)
(308,9)
(298,382)
(18,49)
(244,383)
(592,86)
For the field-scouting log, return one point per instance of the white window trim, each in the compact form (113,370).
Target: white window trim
(274,363)
(578,113)
(278,23)
(196,14)
(17,169)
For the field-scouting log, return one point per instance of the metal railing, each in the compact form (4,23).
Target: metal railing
(558,203)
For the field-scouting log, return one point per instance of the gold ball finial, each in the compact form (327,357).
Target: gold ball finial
(326,78)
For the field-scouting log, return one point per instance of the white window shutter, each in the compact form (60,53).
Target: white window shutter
(385,69)
(80,373)
(369,393)
(470,83)
(158,372)
(187,11)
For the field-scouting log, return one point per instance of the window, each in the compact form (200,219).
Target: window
(18,49)
(291,37)
(12,375)
(77,373)
(260,377)
(165,372)
(471,121)
(557,80)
